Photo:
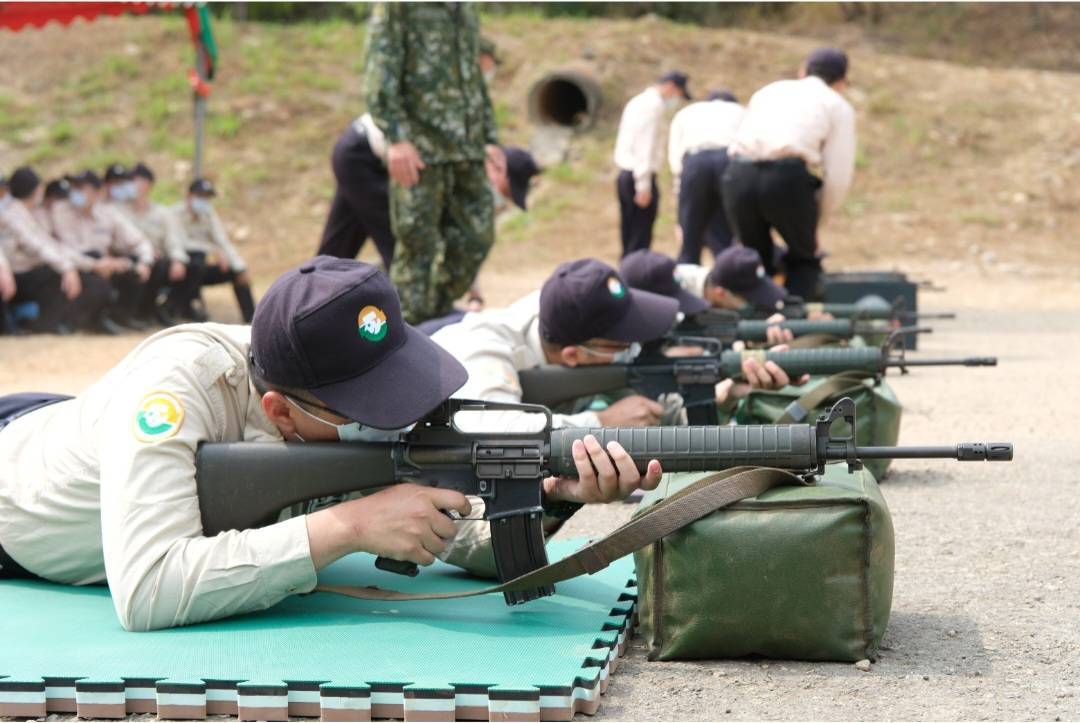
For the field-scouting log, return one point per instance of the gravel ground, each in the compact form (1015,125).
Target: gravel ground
(987,592)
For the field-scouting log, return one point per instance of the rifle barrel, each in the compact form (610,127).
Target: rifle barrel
(971,361)
(962,452)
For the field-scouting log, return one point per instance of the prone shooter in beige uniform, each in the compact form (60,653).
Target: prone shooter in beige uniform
(101,487)
(585,314)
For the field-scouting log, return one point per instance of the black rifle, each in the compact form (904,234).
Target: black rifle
(727,327)
(695,377)
(243,485)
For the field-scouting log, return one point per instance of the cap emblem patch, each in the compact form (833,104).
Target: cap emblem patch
(372,323)
(158,417)
(616,288)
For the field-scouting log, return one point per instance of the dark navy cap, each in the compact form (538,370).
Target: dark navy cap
(23,182)
(739,269)
(333,327)
(86,178)
(141,170)
(724,95)
(520,168)
(587,299)
(680,79)
(829,64)
(202,187)
(58,188)
(655,272)
(117,172)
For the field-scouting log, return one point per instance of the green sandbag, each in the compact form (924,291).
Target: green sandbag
(798,573)
(877,411)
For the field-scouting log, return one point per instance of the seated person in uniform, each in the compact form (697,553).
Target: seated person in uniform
(101,487)
(169,279)
(94,231)
(585,314)
(44,273)
(212,259)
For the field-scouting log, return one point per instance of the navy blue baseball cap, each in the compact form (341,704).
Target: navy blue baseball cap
(202,187)
(587,299)
(655,272)
(739,269)
(829,64)
(681,81)
(117,172)
(333,327)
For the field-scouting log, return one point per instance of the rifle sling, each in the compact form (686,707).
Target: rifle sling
(837,385)
(705,496)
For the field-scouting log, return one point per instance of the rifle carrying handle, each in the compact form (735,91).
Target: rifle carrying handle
(399,567)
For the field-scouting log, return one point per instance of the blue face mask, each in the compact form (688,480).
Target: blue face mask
(5,200)
(200,206)
(78,199)
(354,431)
(118,192)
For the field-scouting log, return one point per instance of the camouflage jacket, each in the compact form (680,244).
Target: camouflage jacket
(423,83)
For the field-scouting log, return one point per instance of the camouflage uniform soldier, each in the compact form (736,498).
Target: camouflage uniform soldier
(426,93)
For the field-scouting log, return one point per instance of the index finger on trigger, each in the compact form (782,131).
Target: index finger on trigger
(445,499)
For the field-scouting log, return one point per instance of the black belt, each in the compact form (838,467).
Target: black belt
(786,161)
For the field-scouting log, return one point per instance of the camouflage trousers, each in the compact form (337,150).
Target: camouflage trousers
(444,226)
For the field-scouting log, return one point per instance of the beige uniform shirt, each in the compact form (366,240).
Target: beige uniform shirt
(805,119)
(639,146)
(88,496)
(101,231)
(160,227)
(26,245)
(365,124)
(206,234)
(494,346)
(699,127)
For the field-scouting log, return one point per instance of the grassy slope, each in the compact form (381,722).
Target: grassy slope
(963,165)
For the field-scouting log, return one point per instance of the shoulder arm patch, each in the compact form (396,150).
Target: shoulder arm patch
(158,416)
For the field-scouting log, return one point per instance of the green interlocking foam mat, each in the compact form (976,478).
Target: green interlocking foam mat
(324,655)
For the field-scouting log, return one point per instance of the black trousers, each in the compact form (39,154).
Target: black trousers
(763,195)
(159,289)
(203,274)
(361,205)
(635,223)
(127,291)
(701,205)
(42,285)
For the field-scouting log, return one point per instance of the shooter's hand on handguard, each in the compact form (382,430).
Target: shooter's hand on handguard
(604,475)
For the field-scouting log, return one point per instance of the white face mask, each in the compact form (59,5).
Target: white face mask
(498,200)
(5,200)
(118,192)
(670,103)
(489,76)
(200,206)
(354,431)
(625,356)
(77,198)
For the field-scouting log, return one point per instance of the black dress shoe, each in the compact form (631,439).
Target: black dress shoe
(165,316)
(129,322)
(105,325)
